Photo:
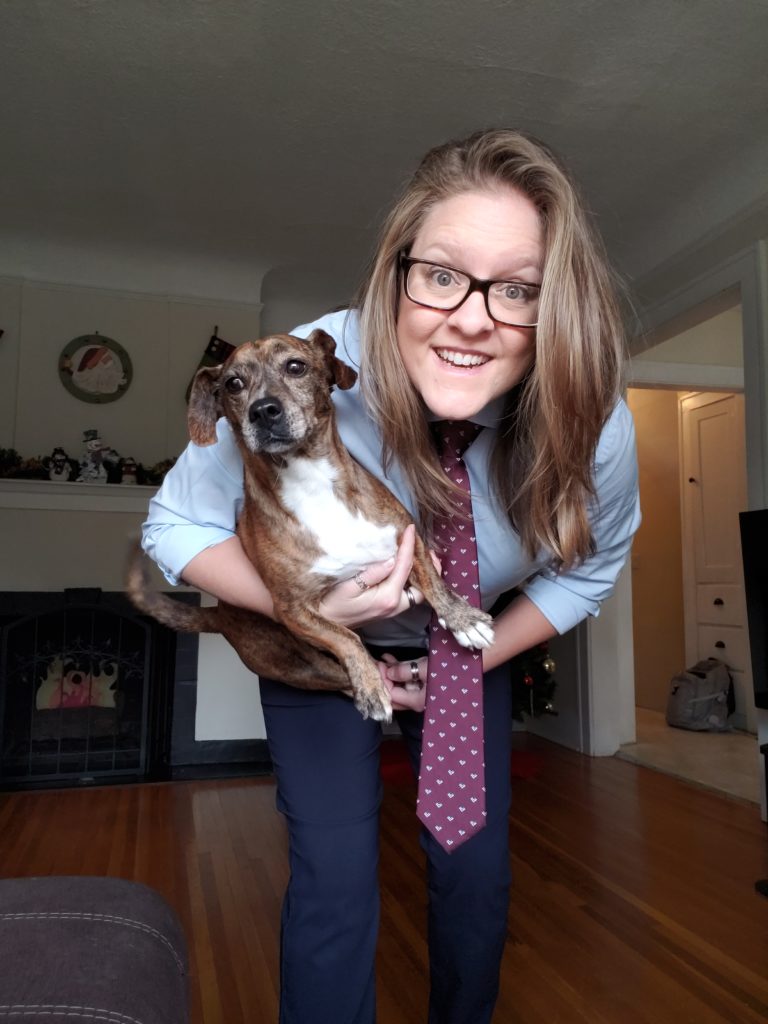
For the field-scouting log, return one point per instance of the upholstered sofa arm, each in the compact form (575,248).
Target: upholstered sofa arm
(89,949)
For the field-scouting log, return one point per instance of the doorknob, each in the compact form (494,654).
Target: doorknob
(718,600)
(692,480)
(719,644)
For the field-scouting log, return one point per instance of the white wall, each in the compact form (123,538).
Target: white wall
(164,336)
(713,342)
(294,295)
(657,559)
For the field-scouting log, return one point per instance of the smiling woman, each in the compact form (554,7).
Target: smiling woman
(488,308)
(499,207)
(457,354)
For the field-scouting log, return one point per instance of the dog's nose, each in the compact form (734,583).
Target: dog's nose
(266,411)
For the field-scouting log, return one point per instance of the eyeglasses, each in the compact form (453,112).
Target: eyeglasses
(513,303)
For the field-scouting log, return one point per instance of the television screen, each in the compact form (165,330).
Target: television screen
(754,553)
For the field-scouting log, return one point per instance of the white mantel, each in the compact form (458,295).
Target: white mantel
(74,497)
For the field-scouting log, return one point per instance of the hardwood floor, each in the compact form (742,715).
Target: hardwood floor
(633,902)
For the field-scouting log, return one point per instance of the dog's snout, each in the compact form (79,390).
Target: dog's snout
(266,411)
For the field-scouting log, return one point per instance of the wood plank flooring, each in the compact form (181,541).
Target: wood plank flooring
(633,895)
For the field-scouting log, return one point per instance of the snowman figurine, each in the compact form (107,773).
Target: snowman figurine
(92,468)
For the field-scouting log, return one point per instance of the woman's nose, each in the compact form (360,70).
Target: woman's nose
(472,315)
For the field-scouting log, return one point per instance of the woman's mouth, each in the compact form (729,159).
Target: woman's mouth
(454,358)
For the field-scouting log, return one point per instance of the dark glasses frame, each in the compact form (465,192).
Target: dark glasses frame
(405,262)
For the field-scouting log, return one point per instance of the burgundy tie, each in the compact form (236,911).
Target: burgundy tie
(451,796)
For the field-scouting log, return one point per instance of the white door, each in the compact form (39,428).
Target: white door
(714,491)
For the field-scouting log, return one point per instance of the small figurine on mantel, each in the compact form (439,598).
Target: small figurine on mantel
(97,459)
(60,466)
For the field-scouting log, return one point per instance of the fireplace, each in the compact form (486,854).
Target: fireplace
(86,689)
(197,712)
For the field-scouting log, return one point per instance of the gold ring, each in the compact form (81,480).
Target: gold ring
(415,672)
(411,597)
(358,578)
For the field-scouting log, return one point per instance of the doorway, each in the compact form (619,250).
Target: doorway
(670,622)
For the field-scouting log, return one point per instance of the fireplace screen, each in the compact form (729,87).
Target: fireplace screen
(74,682)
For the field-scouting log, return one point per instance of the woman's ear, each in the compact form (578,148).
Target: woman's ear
(204,407)
(342,375)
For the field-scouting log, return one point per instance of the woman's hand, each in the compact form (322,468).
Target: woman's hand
(376,592)
(404,682)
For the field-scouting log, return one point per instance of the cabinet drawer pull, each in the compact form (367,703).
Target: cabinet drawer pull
(720,643)
(718,600)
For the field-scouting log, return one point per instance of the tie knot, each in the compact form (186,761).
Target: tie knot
(455,436)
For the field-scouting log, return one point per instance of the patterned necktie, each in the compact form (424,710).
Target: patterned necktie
(451,795)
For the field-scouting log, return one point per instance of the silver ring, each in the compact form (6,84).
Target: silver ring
(358,578)
(411,598)
(415,672)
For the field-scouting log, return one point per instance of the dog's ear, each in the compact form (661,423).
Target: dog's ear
(204,407)
(342,375)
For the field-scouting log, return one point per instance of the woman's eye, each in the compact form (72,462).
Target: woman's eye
(295,368)
(512,291)
(234,385)
(441,277)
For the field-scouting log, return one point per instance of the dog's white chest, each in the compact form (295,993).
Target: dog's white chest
(348,540)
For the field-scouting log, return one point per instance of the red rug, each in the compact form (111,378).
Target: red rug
(396,767)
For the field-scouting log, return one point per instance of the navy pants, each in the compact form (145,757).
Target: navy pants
(326,761)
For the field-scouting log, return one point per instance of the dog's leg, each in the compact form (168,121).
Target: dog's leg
(267,648)
(472,627)
(263,645)
(369,693)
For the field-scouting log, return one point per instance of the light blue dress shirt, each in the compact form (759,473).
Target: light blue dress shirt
(199,501)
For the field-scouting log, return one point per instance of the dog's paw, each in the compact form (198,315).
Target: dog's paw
(375,705)
(475,630)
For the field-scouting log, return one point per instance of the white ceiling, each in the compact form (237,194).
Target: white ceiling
(253,134)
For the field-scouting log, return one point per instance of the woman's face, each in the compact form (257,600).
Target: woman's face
(492,235)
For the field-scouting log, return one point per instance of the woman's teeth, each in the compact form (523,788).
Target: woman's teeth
(461,358)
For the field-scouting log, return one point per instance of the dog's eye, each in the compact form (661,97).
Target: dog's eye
(295,368)
(234,385)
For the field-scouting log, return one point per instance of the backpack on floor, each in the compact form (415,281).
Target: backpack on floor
(702,697)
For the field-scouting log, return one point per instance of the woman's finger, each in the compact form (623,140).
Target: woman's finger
(393,571)
(394,595)
(371,575)
(409,674)
(403,559)
(404,698)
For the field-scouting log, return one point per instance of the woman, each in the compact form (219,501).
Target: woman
(489,300)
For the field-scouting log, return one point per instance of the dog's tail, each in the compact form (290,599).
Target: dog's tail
(176,615)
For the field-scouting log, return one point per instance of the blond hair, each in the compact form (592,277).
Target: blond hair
(543,455)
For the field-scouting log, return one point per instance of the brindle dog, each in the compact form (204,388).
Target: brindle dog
(311,516)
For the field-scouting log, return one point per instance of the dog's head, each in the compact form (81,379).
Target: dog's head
(274,392)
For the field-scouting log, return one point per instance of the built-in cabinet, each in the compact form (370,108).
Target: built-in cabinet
(714,492)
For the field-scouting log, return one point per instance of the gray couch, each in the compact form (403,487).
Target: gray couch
(89,950)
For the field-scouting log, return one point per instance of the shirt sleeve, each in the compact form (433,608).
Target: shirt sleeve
(197,505)
(565,598)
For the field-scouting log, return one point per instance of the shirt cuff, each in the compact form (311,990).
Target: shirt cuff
(560,606)
(174,550)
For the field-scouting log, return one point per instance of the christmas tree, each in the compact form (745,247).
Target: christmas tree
(533,683)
